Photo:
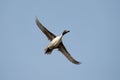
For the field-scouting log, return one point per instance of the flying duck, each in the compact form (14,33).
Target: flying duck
(56,42)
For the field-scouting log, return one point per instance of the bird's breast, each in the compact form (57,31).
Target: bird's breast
(55,42)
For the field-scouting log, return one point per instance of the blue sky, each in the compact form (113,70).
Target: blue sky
(94,39)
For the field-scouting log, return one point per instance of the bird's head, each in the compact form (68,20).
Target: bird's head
(65,31)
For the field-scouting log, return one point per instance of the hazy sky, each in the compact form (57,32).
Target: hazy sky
(94,39)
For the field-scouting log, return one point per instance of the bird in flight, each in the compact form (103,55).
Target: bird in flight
(55,42)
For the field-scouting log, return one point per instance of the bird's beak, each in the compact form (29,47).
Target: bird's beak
(68,31)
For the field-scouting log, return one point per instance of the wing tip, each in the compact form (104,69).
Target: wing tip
(36,20)
(76,62)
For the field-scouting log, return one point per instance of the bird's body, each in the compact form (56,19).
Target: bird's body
(53,44)
(56,42)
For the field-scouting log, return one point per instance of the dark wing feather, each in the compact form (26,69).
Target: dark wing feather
(66,54)
(49,35)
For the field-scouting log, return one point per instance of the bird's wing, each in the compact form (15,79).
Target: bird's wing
(49,35)
(62,48)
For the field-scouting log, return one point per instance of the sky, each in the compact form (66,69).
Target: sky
(94,39)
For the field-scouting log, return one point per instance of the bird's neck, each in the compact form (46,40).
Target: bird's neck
(61,35)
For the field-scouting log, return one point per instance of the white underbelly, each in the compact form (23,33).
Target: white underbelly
(55,42)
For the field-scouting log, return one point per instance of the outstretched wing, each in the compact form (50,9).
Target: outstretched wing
(66,54)
(49,35)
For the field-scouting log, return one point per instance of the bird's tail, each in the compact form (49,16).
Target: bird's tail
(48,51)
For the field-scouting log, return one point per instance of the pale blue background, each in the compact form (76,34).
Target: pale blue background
(94,39)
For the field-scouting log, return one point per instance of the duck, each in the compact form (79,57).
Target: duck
(56,42)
